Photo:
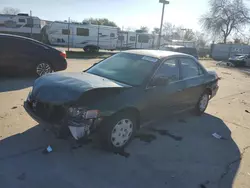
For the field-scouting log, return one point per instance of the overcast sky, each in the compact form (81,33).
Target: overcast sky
(125,13)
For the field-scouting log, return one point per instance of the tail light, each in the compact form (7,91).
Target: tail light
(63,54)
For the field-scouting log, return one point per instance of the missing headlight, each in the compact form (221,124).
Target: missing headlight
(76,111)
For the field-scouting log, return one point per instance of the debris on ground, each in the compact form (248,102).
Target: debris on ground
(145,137)
(14,107)
(182,121)
(226,64)
(226,73)
(247,111)
(22,176)
(166,133)
(47,150)
(123,153)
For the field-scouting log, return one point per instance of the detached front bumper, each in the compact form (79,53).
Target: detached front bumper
(78,129)
(214,91)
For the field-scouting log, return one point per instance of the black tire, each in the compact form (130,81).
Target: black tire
(43,68)
(200,108)
(87,49)
(108,127)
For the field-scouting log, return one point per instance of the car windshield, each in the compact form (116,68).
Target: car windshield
(126,68)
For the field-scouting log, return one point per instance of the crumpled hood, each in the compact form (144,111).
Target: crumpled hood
(58,88)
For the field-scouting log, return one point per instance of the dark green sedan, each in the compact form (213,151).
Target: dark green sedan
(119,94)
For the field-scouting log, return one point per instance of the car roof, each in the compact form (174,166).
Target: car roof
(159,54)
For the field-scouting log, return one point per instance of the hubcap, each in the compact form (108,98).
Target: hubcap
(203,102)
(43,68)
(122,132)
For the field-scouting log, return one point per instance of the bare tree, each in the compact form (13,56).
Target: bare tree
(171,32)
(225,17)
(188,35)
(10,10)
(200,40)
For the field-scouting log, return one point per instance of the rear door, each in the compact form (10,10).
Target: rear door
(194,78)
(169,98)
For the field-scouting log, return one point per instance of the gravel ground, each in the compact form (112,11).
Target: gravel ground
(180,152)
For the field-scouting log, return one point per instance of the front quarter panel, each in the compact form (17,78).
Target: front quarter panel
(111,100)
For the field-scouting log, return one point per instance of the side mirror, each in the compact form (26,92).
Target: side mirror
(159,81)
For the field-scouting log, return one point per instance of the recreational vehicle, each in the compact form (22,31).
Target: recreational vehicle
(82,35)
(21,24)
(134,40)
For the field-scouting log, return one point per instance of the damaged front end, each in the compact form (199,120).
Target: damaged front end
(61,118)
(81,121)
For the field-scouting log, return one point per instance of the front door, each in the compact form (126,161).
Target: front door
(163,100)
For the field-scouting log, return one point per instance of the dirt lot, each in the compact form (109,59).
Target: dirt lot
(180,152)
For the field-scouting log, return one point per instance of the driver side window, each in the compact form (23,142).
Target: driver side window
(168,69)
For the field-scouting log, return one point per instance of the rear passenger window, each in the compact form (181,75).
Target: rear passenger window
(189,68)
(169,69)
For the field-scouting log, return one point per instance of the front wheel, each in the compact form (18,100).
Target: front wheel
(117,132)
(202,103)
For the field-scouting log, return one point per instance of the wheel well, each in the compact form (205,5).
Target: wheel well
(133,111)
(209,91)
(91,46)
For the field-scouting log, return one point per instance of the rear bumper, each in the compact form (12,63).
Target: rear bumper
(60,65)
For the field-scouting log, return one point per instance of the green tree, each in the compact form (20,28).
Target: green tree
(100,21)
(143,29)
(156,31)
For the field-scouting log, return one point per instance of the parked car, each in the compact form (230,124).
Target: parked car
(21,55)
(117,95)
(182,49)
(240,60)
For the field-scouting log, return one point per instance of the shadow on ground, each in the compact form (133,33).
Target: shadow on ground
(15,83)
(182,153)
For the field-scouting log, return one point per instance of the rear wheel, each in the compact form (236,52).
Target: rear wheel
(91,49)
(43,68)
(117,132)
(202,103)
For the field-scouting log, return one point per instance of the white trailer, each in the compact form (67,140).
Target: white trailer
(21,24)
(134,40)
(82,35)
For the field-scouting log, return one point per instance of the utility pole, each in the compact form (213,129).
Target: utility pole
(164,2)
(98,34)
(68,31)
(31,24)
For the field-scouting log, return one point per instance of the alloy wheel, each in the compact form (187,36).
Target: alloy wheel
(43,68)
